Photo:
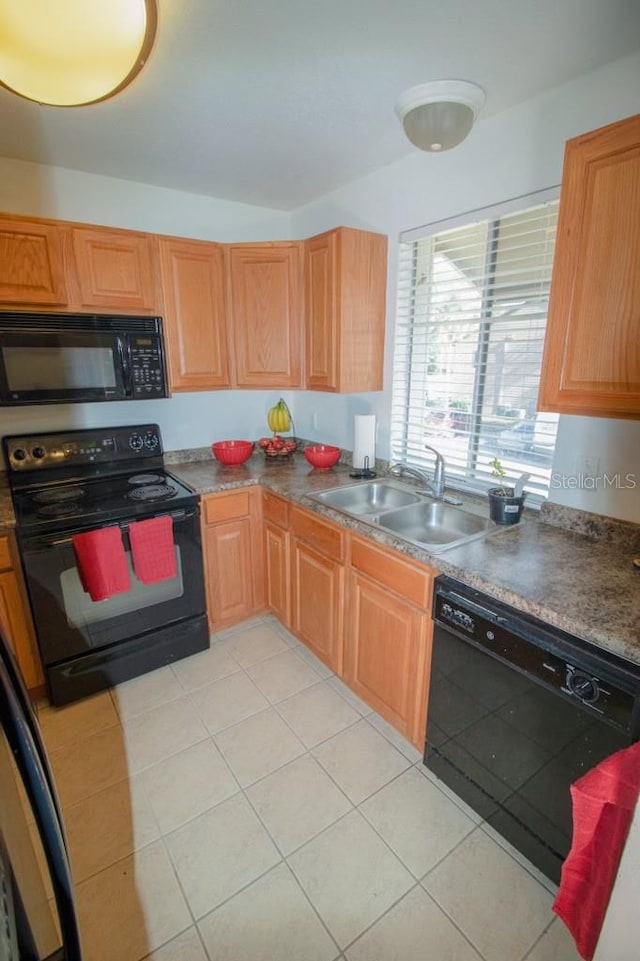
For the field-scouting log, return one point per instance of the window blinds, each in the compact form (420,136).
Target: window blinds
(471,315)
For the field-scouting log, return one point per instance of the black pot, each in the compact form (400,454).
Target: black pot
(505,508)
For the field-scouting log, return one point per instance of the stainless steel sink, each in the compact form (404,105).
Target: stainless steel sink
(434,525)
(369,498)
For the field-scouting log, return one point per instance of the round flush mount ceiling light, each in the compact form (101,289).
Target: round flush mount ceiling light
(75,52)
(438,115)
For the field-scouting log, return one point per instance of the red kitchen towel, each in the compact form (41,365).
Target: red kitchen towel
(153,550)
(102,562)
(603,804)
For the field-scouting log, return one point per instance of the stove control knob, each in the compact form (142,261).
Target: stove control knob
(151,440)
(584,686)
(19,454)
(136,442)
(39,453)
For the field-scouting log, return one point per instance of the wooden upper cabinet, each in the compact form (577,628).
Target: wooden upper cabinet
(345,307)
(192,275)
(591,362)
(115,269)
(264,312)
(31,264)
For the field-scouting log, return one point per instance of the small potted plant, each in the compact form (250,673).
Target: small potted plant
(505,506)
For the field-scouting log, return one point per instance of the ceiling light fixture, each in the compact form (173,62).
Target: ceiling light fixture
(73,53)
(438,115)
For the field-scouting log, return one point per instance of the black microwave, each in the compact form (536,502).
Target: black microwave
(76,358)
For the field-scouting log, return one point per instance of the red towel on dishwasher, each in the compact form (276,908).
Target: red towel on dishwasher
(152,549)
(603,804)
(102,562)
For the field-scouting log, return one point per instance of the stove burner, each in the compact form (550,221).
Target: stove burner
(63,509)
(157,492)
(146,479)
(58,495)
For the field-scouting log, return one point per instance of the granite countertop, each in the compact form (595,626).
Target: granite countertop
(582,583)
(570,569)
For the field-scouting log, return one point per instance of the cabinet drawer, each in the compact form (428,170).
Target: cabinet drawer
(275,510)
(322,535)
(409,580)
(224,507)
(5,554)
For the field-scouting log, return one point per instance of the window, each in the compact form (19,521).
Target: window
(472,306)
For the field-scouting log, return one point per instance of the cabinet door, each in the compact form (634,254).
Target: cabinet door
(318,603)
(321,312)
(233,556)
(265,314)
(31,265)
(385,655)
(345,306)
(278,572)
(115,268)
(17,629)
(194,314)
(228,562)
(591,362)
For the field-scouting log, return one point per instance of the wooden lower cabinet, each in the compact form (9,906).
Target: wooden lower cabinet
(277,557)
(233,558)
(388,637)
(15,619)
(318,586)
(364,610)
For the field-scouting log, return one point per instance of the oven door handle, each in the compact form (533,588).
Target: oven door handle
(178,517)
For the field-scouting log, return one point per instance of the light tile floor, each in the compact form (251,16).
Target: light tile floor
(244,805)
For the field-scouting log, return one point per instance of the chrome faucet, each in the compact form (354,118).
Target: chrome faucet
(400,470)
(437,485)
(433,487)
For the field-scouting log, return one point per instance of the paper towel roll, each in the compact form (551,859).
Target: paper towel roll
(364,440)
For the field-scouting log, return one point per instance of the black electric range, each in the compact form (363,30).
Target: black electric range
(69,482)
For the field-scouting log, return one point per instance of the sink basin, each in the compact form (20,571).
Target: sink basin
(435,525)
(370,498)
(392,506)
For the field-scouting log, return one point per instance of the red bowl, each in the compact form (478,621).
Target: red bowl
(232,452)
(322,456)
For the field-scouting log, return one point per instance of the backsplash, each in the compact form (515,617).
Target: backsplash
(596,526)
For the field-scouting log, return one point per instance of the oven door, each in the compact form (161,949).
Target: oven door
(69,624)
(48,367)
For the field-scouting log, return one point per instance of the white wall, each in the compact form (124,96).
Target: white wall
(513,153)
(186,420)
(39,191)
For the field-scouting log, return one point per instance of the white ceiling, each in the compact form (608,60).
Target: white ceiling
(275,102)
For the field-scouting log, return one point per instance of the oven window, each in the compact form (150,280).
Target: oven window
(59,368)
(81,611)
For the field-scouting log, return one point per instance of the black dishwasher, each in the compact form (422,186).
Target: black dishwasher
(518,711)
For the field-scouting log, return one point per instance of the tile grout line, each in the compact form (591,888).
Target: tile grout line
(537,941)
(478,827)
(187,694)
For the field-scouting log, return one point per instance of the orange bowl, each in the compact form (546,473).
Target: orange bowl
(322,456)
(232,452)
